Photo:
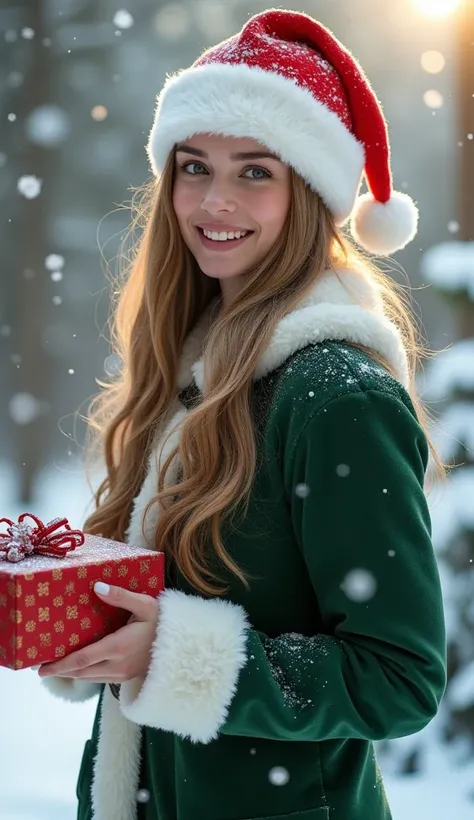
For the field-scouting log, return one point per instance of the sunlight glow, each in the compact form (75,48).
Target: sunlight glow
(437,8)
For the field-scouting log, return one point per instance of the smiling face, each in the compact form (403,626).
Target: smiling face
(226,186)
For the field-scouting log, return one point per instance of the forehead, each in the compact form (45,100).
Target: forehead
(217,143)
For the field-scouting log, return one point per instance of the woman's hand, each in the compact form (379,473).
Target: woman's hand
(121,656)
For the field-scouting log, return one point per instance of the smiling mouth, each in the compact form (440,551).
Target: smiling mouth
(222,244)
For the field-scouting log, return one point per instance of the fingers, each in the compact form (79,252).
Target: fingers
(89,656)
(142,606)
(97,673)
(91,661)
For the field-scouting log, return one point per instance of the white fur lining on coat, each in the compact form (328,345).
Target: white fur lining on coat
(116,768)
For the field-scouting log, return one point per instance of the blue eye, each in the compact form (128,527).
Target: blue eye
(266,174)
(199,169)
(188,165)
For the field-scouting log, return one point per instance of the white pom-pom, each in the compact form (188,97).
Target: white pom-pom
(383,228)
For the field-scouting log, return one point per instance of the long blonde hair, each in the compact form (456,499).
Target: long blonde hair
(159,301)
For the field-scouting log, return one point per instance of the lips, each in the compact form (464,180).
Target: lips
(221,244)
(220,227)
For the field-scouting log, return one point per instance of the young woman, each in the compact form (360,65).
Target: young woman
(265,434)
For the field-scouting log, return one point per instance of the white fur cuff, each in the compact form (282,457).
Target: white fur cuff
(196,659)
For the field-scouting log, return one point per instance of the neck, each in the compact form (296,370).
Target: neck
(230,289)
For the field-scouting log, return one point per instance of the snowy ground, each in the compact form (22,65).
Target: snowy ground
(41,739)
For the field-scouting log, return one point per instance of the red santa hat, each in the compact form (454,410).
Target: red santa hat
(287,82)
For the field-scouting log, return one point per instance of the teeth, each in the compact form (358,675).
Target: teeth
(222,236)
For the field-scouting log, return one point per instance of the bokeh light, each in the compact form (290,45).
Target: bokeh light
(433,98)
(433,62)
(99,113)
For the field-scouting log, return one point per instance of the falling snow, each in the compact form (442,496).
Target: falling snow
(359,585)
(302,490)
(279,776)
(24,408)
(47,125)
(343,470)
(123,19)
(29,186)
(54,262)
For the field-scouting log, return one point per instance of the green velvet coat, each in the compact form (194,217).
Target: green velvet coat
(265,703)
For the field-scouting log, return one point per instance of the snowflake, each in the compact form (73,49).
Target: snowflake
(29,186)
(123,19)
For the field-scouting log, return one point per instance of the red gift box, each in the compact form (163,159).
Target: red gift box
(48,607)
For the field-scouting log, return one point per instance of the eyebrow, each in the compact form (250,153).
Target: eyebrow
(187,149)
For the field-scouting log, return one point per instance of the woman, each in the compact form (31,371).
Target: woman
(265,434)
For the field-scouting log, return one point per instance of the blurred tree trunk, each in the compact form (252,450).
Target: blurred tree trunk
(31,279)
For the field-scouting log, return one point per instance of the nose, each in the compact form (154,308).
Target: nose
(218,198)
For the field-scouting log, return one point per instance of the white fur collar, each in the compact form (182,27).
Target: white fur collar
(342,306)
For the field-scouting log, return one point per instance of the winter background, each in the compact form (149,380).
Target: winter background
(78,79)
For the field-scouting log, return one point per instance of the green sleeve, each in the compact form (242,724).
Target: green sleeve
(379,669)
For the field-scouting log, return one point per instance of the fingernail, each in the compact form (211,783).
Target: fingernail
(35,668)
(101,588)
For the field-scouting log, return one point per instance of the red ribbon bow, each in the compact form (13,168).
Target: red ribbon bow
(22,539)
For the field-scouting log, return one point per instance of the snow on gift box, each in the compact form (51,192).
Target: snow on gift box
(48,608)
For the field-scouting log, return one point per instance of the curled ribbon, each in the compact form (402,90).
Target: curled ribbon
(23,539)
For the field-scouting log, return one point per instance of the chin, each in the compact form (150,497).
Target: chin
(218,270)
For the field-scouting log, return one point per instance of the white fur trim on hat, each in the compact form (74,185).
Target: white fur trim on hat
(384,227)
(240,101)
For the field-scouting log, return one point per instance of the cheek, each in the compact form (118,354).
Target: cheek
(273,213)
(182,203)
